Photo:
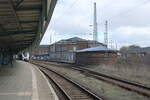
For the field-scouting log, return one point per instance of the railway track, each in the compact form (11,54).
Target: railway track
(69,88)
(132,86)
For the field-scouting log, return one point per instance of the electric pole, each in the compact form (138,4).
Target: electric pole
(106,33)
(50,38)
(95,24)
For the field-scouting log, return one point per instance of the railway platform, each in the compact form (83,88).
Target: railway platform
(23,81)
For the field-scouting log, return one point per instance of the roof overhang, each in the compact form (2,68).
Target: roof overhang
(23,23)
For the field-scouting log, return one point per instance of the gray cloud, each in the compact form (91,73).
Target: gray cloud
(130,26)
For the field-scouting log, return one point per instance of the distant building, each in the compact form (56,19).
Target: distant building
(136,55)
(140,52)
(146,50)
(96,55)
(64,50)
(41,51)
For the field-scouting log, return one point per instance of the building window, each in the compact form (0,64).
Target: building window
(74,48)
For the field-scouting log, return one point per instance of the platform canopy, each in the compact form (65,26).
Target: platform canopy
(23,23)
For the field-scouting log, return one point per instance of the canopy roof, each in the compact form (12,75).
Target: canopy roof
(23,22)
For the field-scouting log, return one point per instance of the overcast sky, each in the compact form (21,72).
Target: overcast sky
(129,21)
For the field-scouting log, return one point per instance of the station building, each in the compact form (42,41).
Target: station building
(76,50)
(64,50)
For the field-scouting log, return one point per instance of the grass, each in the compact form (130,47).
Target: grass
(134,72)
(109,91)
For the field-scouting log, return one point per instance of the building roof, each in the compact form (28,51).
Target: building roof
(77,39)
(97,49)
(43,46)
(71,40)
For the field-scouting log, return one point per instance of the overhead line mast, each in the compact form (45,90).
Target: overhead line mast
(106,33)
(95,35)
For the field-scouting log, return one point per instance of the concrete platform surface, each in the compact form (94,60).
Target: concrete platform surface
(24,81)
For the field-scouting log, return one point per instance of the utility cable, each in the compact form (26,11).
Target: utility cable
(66,10)
(129,10)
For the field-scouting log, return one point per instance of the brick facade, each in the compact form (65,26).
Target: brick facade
(41,50)
(64,50)
(96,58)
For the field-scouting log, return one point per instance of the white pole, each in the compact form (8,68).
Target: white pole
(95,24)
(106,33)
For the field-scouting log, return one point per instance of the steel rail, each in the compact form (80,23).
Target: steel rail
(133,86)
(137,87)
(77,85)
